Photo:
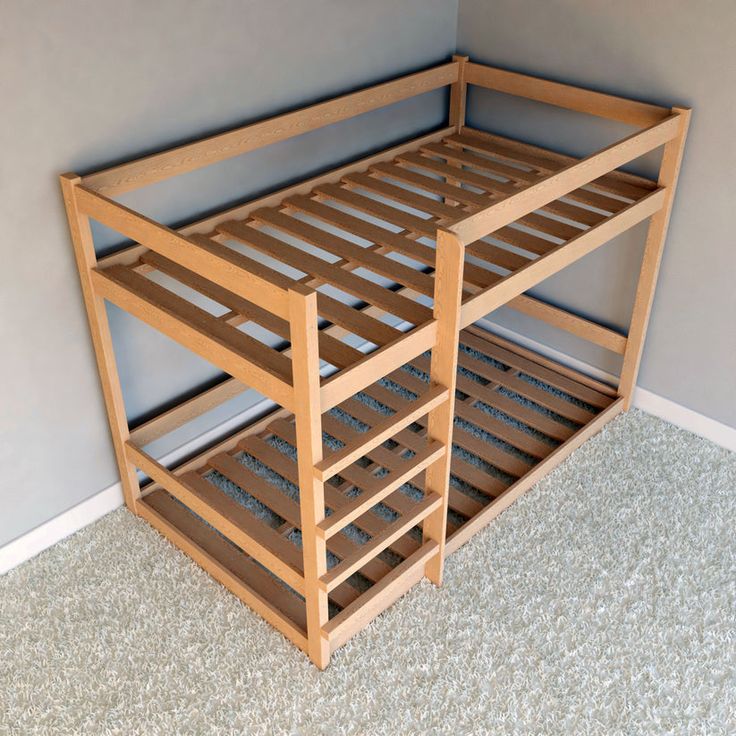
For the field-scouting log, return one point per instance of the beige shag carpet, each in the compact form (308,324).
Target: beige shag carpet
(603,602)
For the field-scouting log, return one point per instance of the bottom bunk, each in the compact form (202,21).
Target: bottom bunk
(517,415)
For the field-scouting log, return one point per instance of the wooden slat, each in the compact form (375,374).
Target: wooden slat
(371,260)
(340,628)
(227,516)
(344,280)
(415,441)
(369,206)
(521,486)
(415,200)
(191,156)
(340,544)
(391,459)
(511,435)
(534,419)
(508,357)
(398,528)
(253,585)
(537,395)
(339,387)
(332,350)
(390,483)
(380,432)
(620,183)
(431,185)
(563,255)
(579,99)
(206,258)
(493,186)
(381,236)
(241,356)
(497,456)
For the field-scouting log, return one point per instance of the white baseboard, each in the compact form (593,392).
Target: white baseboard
(649,402)
(67,523)
(60,527)
(83,514)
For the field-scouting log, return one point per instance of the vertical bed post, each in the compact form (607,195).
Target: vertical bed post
(458,92)
(308,417)
(668,173)
(443,372)
(84,251)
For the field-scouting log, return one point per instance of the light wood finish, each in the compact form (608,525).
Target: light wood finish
(192,156)
(378,434)
(559,257)
(399,251)
(632,112)
(239,575)
(303,308)
(443,372)
(84,253)
(557,185)
(214,263)
(656,235)
(458,91)
(195,329)
(564,320)
(358,615)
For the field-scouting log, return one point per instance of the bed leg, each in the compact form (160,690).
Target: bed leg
(668,173)
(84,252)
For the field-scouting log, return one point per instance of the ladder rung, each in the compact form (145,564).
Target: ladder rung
(352,564)
(366,500)
(381,432)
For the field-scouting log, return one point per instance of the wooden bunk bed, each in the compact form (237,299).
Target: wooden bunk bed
(378,460)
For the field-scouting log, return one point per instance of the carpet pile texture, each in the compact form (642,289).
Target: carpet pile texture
(603,602)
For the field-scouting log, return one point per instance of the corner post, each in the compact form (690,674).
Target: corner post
(443,372)
(668,173)
(458,93)
(84,252)
(308,416)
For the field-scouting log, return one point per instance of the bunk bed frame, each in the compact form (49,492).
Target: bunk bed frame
(446,424)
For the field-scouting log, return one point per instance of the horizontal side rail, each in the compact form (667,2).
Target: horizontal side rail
(237,575)
(377,435)
(225,515)
(557,185)
(365,501)
(197,330)
(214,262)
(570,97)
(343,570)
(585,329)
(355,617)
(525,278)
(192,156)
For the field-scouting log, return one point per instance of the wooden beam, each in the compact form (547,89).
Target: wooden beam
(211,260)
(668,175)
(563,255)
(641,114)
(556,185)
(307,415)
(84,253)
(192,156)
(443,372)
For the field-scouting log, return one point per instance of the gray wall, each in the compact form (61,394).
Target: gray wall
(676,52)
(88,82)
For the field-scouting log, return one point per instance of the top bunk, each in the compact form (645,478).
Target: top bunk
(365,236)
